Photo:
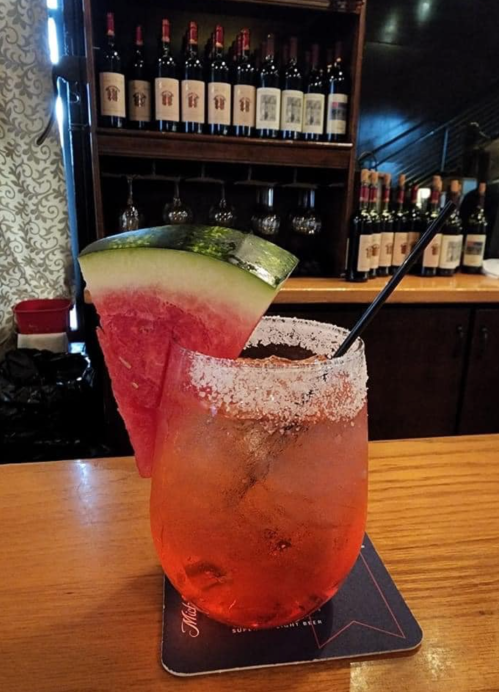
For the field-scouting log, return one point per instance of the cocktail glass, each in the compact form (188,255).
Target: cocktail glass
(259,488)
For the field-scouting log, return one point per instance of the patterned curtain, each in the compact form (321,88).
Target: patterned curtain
(35,256)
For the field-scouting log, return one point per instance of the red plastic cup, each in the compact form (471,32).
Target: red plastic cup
(43,316)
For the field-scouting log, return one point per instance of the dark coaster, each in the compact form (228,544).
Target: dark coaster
(367,617)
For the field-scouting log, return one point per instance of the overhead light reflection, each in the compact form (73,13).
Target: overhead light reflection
(424,11)
(391,27)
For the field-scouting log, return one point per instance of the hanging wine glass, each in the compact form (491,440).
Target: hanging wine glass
(176,212)
(266,221)
(305,226)
(130,218)
(222,213)
(305,221)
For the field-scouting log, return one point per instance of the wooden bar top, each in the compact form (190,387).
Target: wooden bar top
(80,588)
(460,288)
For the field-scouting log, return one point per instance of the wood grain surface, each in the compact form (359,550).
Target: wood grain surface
(80,587)
(461,288)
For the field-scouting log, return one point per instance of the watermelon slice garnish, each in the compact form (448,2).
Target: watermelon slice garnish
(208,286)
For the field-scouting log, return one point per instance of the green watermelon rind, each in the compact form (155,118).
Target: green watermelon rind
(266,261)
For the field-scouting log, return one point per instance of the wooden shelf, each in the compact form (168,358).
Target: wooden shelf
(162,145)
(461,288)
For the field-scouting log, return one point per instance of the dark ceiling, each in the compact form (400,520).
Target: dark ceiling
(424,22)
(424,61)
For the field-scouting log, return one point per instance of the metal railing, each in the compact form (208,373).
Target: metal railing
(438,149)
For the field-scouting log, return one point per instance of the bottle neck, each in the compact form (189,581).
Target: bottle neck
(218,47)
(385,198)
(481,203)
(414,197)
(270,50)
(192,39)
(110,29)
(293,52)
(435,200)
(364,195)
(139,42)
(245,45)
(165,36)
(373,197)
(314,58)
(400,198)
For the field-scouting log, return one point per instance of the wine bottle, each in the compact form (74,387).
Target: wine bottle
(329,63)
(166,85)
(414,220)
(431,255)
(268,94)
(476,236)
(400,239)
(307,64)
(138,87)
(375,228)
(337,101)
(359,246)
(208,49)
(192,85)
(414,217)
(111,82)
(219,87)
(292,95)
(452,237)
(314,100)
(284,58)
(386,229)
(244,90)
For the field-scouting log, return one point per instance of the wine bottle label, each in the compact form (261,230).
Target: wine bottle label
(474,250)
(412,239)
(292,110)
(386,250)
(375,250)
(337,112)
(313,113)
(244,105)
(193,101)
(431,255)
(450,251)
(139,100)
(364,256)
(400,244)
(219,103)
(167,99)
(268,108)
(112,94)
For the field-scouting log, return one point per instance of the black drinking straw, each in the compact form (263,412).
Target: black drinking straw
(382,297)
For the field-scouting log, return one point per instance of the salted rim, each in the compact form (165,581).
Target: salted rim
(276,393)
(354,354)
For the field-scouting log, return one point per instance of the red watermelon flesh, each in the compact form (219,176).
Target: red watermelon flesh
(211,306)
(135,343)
